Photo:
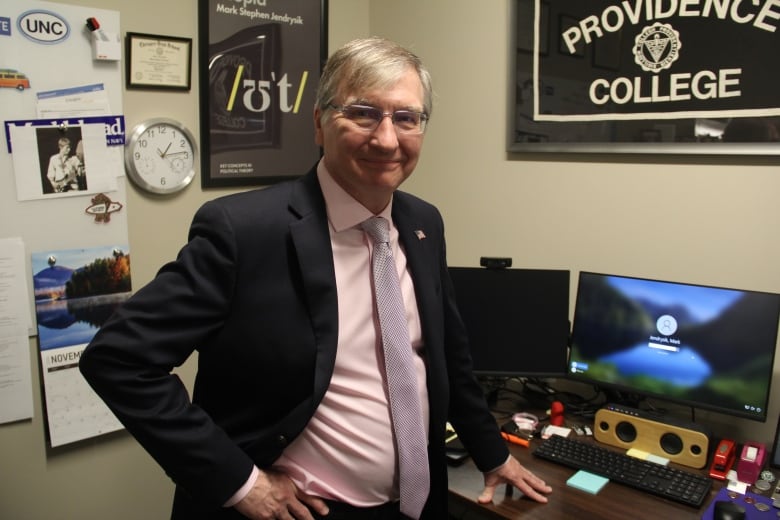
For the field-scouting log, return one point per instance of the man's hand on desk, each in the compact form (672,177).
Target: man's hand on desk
(514,474)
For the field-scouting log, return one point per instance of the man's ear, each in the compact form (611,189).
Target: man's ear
(318,126)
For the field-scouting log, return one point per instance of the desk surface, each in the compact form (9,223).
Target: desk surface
(614,501)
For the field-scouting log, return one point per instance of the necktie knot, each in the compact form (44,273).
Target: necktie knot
(378,229)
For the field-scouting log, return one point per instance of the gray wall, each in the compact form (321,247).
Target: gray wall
(702,221)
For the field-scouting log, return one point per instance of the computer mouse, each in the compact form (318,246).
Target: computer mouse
(725,510)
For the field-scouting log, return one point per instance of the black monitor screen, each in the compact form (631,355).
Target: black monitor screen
(705,347)
(517,319)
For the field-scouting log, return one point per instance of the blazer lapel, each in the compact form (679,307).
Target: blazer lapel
(311,240)
(421,254)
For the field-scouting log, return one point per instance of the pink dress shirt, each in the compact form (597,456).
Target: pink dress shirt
(347,452)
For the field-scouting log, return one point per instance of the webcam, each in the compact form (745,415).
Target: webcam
(495,262)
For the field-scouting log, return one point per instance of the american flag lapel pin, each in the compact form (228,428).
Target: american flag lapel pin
(420,234)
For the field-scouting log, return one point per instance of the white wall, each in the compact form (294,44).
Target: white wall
(706,221)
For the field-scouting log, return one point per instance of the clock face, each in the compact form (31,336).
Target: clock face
(160,156)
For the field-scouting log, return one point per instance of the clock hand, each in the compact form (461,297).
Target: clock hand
(163,154)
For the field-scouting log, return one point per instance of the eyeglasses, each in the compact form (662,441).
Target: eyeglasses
(368,118)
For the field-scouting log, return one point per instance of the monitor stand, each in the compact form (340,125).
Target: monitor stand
(623,398)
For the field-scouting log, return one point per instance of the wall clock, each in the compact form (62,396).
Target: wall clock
(160,156)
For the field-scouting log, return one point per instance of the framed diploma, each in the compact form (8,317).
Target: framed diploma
(158,62)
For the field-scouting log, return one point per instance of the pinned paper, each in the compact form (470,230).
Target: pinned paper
(61,162)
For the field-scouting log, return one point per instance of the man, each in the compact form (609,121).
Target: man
(290,414)
(60,170)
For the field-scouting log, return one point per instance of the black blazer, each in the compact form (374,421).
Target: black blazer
(253,291)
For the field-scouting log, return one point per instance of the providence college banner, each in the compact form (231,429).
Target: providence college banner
(675,72)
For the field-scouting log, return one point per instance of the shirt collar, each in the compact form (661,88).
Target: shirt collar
(344,212)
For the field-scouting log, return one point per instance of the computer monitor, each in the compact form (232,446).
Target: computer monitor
(701,346)
(517,319)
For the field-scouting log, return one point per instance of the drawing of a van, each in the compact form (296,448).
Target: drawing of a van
(10,78)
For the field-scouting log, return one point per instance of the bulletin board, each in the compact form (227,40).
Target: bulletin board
(62,200)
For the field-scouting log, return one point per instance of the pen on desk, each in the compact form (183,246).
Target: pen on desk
(514,439)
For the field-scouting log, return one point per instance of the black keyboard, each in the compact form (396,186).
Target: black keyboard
(675,484)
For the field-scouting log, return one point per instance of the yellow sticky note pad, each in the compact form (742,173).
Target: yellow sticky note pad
(639,454)
(643,455)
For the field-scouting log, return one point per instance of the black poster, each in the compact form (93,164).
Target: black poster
(669,72)
(260,64)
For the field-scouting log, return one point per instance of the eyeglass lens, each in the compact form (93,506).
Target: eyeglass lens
(370,117)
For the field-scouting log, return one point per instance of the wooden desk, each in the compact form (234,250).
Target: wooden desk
(614,501)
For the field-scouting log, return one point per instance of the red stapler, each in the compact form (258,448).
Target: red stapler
(723,459)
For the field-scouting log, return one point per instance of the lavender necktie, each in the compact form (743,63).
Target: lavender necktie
(405,408)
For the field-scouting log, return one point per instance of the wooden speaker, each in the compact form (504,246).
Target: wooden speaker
(624,427)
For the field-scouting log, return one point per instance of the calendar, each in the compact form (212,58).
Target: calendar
(74,411)
(76,290)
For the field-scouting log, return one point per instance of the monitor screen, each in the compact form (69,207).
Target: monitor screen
(517,319)
(706,347)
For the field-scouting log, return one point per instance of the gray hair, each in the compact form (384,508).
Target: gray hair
(369,63)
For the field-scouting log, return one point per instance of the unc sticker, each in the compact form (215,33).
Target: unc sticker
(657,47)
(43,26)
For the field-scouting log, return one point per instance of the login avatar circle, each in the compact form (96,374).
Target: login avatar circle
(666,325)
